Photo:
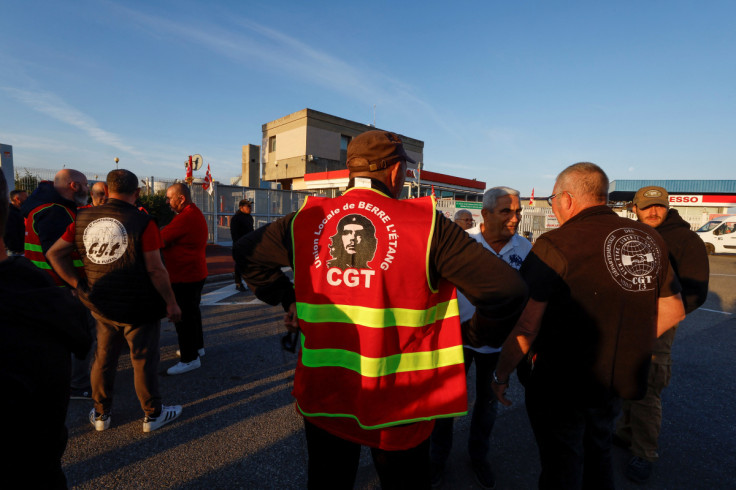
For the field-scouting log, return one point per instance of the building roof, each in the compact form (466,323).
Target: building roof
(341,177)
(428,176)
(672,186)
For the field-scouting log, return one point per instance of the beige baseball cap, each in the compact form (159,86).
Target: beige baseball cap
(651,195)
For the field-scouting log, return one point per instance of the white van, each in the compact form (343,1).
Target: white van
(719,235)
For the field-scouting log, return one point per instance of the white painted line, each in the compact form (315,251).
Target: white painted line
(716,311)
(214,297)
(254,301)
(727,275)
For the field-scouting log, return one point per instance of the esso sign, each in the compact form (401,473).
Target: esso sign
(686,200)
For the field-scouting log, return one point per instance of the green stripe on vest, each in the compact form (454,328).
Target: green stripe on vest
(376,317)
(375,367)
(33,247)
(41,265)
(378,426)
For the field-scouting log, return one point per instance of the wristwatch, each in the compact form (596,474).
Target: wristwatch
(498,381)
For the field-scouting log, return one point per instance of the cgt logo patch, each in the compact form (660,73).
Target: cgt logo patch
(105,240)
(632,258)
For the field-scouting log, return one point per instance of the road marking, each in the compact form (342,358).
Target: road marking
(217,296)
(727,275)
(716,311)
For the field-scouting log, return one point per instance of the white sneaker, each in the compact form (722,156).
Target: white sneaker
(199,351)
(168,414)
(184,367)
(100,422)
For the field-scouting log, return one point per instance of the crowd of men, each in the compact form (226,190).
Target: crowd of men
(393,302)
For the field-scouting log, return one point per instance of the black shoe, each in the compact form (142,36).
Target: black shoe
(80,395)
(241,288)
(484,474)
(437,474)
(619,441)
(638,469)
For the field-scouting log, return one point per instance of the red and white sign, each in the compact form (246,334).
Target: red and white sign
(701,200)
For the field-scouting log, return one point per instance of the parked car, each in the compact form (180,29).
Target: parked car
(719,235)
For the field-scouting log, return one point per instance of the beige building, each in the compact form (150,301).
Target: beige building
(249,166)
(309,142)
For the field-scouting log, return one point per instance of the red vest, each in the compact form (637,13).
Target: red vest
(379,345)
(33,250)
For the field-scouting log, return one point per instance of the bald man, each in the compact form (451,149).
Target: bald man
(48,211)
(98,193)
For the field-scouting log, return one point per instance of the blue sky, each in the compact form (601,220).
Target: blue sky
(507,92)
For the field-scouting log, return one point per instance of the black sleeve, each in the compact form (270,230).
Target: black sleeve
(691,266)
(543,270)
(490,284)
(261,254)
(50,224)
(236,230)
(15,231)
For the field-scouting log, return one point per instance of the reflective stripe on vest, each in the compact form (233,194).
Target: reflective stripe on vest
(32,247)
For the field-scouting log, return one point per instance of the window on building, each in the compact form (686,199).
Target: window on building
(272,144)
(344,142)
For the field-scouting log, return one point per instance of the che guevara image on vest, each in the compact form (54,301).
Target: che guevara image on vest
(354,243)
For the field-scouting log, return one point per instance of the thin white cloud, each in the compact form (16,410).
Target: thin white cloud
(53,106)
(255,45)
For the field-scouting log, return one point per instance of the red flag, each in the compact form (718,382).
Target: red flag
(207,184)
(189,170)
(531,199)
(433,192)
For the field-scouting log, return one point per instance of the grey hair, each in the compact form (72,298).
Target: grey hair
(587,180)
(491,196)
(461,212)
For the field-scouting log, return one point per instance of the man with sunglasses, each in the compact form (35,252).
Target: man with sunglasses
(601,290)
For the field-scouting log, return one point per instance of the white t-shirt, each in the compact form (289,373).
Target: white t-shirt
(513,253)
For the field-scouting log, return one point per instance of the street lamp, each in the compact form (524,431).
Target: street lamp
(116,162)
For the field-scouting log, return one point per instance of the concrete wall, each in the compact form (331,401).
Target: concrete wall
(6,164)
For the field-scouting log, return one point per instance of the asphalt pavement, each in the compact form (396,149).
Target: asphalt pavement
(239,428)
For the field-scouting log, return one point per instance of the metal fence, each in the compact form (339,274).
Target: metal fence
(268,206)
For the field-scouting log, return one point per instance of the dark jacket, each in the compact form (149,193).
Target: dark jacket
(601,276)
(240,225)
(688,257)
(54,220)
(118,286)
(15,231)
(40,324)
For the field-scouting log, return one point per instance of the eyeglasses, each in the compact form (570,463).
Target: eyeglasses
(549,199)
(472,221)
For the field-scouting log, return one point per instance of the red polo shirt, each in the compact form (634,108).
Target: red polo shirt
(185,239)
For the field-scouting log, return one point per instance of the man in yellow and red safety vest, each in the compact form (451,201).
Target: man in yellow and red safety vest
(374,296)
(48,211)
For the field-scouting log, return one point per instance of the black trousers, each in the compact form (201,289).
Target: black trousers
(333,463)
(574,440)
(189,328)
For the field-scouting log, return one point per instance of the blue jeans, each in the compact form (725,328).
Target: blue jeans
(483,416)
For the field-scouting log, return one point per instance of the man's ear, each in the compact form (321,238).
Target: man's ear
(397,177)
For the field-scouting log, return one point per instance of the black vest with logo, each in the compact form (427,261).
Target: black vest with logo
(118,287)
